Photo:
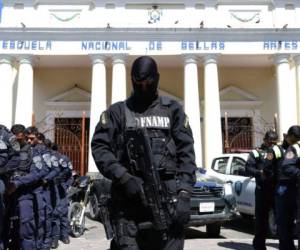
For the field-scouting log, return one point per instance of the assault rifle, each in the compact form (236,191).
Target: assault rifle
(104,213)
(141,159)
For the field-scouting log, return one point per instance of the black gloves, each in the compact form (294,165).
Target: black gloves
(10,188)
(183,208)
(132,186)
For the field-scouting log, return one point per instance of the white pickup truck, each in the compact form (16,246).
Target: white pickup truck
(231,168)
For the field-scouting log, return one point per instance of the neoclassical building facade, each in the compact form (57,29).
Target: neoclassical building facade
(59,59)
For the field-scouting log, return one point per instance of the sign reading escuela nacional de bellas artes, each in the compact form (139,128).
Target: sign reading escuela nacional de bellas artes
(134,47)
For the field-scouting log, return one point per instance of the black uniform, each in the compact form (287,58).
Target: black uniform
(284,196)
(172,148)
(263,195)
(291,169)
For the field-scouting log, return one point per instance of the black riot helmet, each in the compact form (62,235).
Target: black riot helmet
(270,138)
(145,77)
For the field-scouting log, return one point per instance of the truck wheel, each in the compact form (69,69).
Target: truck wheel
(272,224)
(213,230)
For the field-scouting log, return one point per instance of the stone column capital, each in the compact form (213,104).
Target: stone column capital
(281,58)
(98,58)
(25,59)
(296,58)
(118,58)
(190,58)
(6,59)
(209,58)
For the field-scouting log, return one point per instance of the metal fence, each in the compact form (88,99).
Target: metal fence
(239,133)
(72,136)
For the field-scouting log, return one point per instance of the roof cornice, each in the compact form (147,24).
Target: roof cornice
(142,34)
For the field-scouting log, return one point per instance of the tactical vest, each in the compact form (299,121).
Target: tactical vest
(9,146)
(25,161)
(296,148)
(158,122)
(259,155)
(279,157)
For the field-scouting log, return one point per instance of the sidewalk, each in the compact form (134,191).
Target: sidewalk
(94,238)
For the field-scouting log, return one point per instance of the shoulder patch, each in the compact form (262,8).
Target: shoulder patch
(54,161)
(63,163)
(70,165)
(3,145)
(270,156)
(14,143)
(103,118)
(290,155)
(186,122)
(47,159)
(37,160)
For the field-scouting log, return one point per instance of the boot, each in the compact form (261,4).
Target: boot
(65,240)
(54,244)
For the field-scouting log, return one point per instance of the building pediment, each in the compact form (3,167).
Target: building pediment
(234,96)
(73,97)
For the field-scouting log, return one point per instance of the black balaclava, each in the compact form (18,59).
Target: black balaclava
(144,68)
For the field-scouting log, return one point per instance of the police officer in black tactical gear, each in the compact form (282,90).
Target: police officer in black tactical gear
(264,189)
(283,192)
(288,190)
(172,153)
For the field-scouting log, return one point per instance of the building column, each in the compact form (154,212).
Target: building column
(212,110)
(118,78)
(24,103)
(192,103)
(286,95)
(297,66)
(6,100)
(98,100)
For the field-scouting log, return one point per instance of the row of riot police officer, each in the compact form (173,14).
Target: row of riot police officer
(276,168)
(34,177)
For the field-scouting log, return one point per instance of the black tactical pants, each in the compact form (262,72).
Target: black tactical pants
(298,215)
(264,202)
(285,205)
(131,238)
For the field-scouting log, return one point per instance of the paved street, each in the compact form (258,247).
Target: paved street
(234,235)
